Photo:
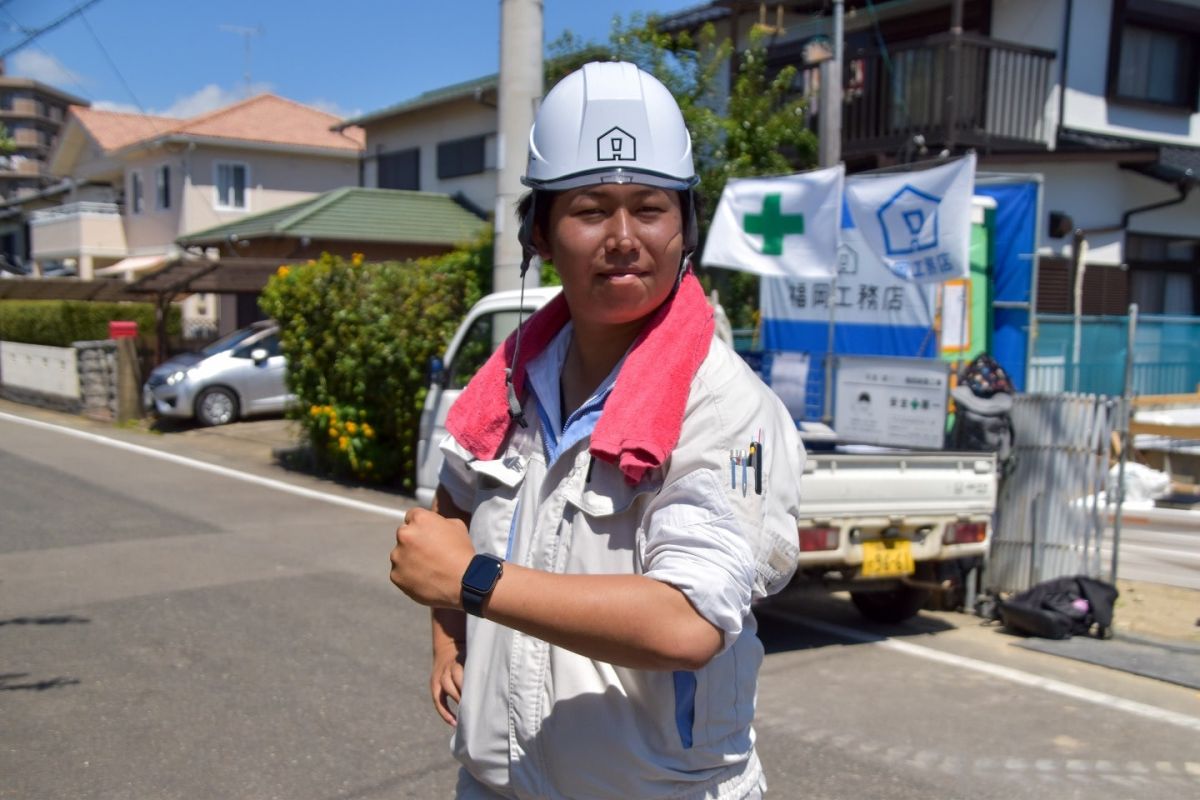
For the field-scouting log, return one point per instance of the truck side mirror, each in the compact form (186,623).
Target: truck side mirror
(437,372)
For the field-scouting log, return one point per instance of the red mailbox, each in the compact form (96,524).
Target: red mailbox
(119,329)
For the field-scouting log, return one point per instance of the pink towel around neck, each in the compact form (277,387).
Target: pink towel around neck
(640,424)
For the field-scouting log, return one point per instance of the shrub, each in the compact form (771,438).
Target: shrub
(358,338)
(58,323)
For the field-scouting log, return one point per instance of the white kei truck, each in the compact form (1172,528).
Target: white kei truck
(875,524)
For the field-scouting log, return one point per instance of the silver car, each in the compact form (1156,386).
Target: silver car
(236,376)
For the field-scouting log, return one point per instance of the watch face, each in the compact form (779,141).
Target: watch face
(482,574)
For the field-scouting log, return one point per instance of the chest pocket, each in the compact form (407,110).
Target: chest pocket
(498,484)
(604,492)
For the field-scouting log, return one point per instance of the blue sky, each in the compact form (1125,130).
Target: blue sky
(185,57)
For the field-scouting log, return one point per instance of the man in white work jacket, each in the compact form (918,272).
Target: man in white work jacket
(591,593)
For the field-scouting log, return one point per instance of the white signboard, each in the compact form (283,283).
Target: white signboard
(892,402)
(866,293)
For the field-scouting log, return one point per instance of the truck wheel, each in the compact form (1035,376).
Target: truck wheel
(216,406)
(899,604)
(892,605)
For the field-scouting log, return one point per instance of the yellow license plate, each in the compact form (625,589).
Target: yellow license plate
(887,558)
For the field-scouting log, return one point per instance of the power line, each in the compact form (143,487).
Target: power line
(111,63)
(37,32)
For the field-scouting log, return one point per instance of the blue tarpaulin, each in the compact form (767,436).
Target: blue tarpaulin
(1012,270)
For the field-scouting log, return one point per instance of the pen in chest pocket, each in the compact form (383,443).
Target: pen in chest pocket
(758,463)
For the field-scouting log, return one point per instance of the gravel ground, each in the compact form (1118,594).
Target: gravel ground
(1158,611)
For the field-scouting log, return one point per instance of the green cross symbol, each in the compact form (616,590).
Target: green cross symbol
(773,225)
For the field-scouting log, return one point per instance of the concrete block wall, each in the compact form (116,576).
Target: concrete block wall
(78,379)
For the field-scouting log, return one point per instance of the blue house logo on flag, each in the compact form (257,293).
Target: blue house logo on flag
(909,220)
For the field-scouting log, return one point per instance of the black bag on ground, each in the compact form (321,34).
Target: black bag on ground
(1061,608)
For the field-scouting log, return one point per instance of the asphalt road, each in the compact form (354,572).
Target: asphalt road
(173,632)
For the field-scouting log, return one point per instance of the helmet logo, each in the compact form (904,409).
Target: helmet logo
(616,145)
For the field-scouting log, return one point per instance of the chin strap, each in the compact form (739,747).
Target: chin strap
(515,411)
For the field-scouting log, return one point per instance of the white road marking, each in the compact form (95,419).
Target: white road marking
(1008,674)
(269,483)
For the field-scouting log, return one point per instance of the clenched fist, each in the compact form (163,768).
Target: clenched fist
(430,557)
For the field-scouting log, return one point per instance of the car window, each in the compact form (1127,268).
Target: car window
(229,341)
(268,343)
(483,337)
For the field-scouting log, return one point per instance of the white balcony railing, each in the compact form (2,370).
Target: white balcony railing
(58,213)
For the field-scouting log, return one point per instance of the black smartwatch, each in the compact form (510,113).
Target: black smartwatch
(478,581)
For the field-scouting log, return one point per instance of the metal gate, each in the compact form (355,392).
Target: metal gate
(1050,519)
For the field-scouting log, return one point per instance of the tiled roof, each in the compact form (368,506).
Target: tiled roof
(113,130)
(264,118)
(356,214)
(276,120)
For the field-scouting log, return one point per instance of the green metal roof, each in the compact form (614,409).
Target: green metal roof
(356,214)
(433,97)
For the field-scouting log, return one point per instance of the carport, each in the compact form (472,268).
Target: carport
(236,276)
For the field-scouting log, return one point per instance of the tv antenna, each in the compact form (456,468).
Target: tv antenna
(247,34)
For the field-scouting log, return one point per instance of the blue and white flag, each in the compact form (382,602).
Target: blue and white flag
(918,223)
(781,227)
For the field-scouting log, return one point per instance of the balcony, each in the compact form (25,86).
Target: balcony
(989,95)
(77,229)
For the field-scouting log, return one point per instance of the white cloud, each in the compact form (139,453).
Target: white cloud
(42,67)
(112,105)
(210,98)
(332,107)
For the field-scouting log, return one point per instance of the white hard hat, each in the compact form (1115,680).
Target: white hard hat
(609,122)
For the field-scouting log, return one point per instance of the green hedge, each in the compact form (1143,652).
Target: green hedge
(58,323)
(358,339)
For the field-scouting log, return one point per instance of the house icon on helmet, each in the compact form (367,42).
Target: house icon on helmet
(909,220)
(616,145)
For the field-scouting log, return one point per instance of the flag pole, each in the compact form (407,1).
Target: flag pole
(827,415)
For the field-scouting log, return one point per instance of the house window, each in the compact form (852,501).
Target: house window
(1153,53)
(399,170)
(231,181)
(461,157)
(137,193)
(162,187)
(1163,273)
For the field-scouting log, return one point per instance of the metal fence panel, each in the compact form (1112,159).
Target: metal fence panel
(1049,522)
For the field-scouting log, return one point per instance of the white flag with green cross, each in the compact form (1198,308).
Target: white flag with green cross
(782,227)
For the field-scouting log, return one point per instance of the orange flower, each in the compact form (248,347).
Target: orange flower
(356,259)
(282,271)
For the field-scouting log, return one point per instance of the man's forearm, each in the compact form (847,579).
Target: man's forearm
(449,629)
(627,620)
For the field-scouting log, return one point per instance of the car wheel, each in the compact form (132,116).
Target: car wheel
(216,406)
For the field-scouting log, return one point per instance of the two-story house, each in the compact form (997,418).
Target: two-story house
(1100,97)
(141,182)
(441,141)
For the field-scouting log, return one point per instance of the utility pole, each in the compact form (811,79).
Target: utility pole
(247,34)
(829,153)
(519,95)
(830,101)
